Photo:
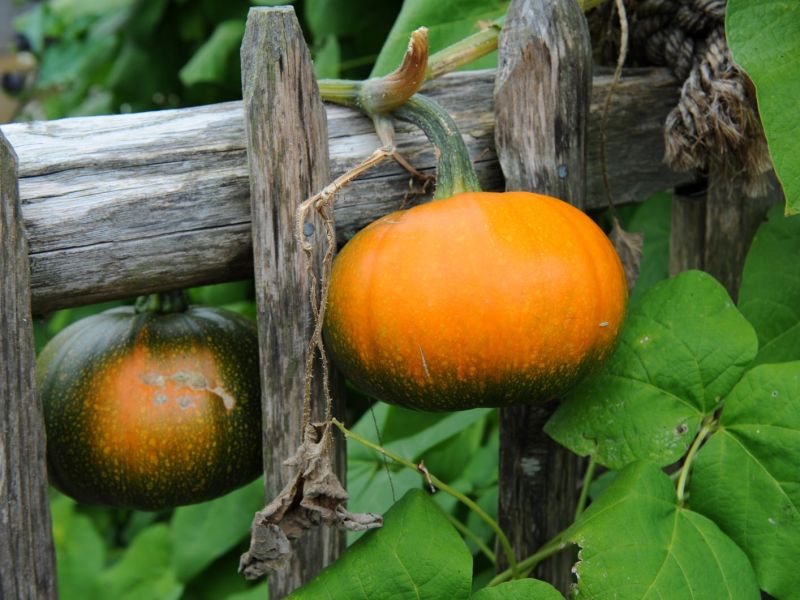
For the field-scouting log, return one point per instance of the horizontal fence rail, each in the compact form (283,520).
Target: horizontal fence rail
(117,206)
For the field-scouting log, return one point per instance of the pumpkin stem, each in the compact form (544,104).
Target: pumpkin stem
(162,303)
(382,95)
(454,171)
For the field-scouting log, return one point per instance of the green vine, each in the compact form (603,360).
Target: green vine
(439,484)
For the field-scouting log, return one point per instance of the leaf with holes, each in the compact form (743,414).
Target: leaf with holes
(747,479)
(416,555)
(770,294)
(683,348)
(638,544)
(764,37)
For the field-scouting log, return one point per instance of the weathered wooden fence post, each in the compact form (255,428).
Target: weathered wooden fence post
(287,148)
(27,560)
(712,229)
(542,96)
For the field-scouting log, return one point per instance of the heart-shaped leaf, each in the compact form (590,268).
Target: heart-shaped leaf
(416,555)
(770,292)
(764,37)
(682,349)
(747,476)
(638,544)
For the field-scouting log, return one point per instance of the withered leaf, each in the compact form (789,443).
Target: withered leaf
(629,247)
(314,496)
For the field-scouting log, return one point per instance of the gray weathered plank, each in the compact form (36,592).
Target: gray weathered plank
(542,96)
(113,203)
(287,141)
(27,560)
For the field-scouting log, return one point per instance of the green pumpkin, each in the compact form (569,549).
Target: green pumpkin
(153,406)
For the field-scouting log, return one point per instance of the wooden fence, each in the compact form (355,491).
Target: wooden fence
(117,206)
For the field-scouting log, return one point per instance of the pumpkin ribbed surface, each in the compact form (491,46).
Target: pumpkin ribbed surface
(481,299)
(151,411)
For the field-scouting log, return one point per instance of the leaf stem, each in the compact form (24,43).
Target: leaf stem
(464,51)
(438,483)
(525,566)
(708,424)
(468,533)
(587,480)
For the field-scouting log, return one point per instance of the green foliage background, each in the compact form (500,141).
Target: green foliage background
(106,56)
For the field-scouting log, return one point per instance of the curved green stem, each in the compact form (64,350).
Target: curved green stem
(353,93)
(438,483)
(587,480)
(464,51)
(454,171)
(708,425)
(525,566)
(382,95)
(468,533)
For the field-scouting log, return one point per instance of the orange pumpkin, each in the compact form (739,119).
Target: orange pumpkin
(480,299)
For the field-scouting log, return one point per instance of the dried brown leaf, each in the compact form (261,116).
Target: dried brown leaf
(313,497)
(629,247)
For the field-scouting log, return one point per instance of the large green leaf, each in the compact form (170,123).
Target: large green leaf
(73,60)
(144,571)
(764,37)
(770,292)
(221,580)
(637,543)
(747,476)
(416,555)
(522,589)
(80,551)
(448,21)
(683,347)
(73,9)
(208,530)
(214,60)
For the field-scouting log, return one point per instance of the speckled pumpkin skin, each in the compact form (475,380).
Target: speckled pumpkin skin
(481,299)
(152,411)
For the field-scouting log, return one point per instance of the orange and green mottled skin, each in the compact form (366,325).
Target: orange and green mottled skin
(481,299)
(150,411)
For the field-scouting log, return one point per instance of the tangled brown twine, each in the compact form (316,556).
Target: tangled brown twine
(715,125)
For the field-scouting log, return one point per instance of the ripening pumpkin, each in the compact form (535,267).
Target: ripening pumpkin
(152,406)
(479,299)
